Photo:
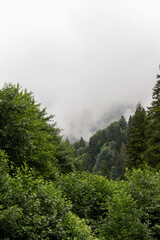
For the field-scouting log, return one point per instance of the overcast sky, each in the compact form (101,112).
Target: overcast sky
(87,61)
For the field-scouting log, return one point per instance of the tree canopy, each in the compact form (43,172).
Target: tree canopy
(28,134)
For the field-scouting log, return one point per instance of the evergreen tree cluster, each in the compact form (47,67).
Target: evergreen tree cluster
(144,134)
(105,154)
(125,144)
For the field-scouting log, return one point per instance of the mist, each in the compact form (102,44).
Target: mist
(88,62)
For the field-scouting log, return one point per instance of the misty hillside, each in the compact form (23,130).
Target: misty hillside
(107,188)
(105,153)
(124,144)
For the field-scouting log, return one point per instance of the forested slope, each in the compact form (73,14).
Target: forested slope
(124,144)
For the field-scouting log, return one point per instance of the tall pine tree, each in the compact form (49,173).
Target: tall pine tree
(136,141)
(152,153)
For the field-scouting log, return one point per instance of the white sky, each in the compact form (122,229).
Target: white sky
(87,61)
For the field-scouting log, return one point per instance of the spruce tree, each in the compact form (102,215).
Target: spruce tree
(152,153)
(136,141)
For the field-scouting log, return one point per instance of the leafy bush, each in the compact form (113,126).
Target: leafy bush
(88,194)
(127,209)
(32,208)
(123,219)
(144,186)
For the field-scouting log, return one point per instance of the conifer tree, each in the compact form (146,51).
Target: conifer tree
(122,123)
(136,141)
(129,127)
(152,153)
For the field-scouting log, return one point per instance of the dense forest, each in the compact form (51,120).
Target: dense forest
(107,188)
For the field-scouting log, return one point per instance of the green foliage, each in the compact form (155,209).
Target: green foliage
(37,202)
(95,143)
(31,208)
(122,160)
(105,158)
(110,162)
(75,228)
(88,193)
(103,150)
(127,209)
(67,160)
(28,135)
(123,126)
(123,218)
(133,209)
(122,123)
(79,144)
(113,133)
(144,186)
(86,162)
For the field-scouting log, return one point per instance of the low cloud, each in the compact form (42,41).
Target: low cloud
(88,61)
(85,125)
